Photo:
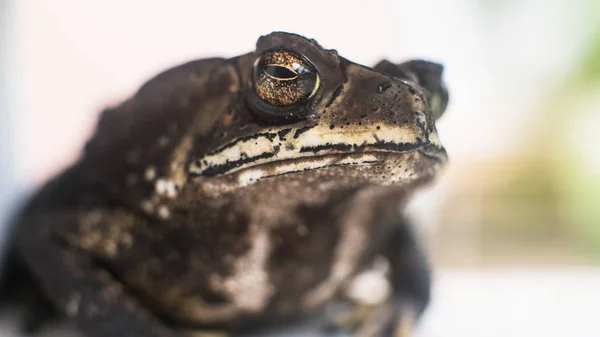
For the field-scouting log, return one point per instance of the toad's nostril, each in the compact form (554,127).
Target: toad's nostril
(421,120)
(382,87)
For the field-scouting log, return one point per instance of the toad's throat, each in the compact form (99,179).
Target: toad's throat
(284,145)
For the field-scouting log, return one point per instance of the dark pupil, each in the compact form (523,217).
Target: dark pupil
(280,72)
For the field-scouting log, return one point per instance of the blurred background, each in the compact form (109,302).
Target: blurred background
(513,223)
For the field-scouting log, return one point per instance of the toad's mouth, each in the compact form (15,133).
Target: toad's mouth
(282,151)
(397,164)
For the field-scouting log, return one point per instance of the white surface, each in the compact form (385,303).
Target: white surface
(521,301)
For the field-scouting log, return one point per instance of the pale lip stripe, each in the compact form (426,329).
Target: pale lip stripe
(252,175)
(279,149)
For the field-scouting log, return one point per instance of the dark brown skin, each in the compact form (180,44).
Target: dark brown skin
(228,195)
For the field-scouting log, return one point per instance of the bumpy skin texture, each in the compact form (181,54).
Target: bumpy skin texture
(196,204)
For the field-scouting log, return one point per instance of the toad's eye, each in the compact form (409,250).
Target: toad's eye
(283,78)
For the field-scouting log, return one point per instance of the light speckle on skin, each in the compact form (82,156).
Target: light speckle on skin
(163,141)
(90,240)
(72,307)
(150,173)
(92,218)
(302,230)
(434,138)
(110,248)
(371,287)
(147,206)
(251,176)
(110,293)
(163,212)
(166,187)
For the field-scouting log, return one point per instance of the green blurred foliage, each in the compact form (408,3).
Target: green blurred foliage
(580,188)
(589,70)
(552,196)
